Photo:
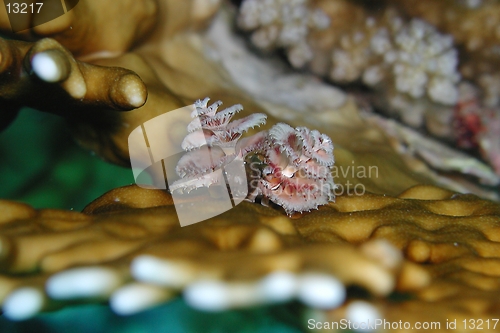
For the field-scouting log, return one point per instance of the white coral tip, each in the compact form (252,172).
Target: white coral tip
(321,291)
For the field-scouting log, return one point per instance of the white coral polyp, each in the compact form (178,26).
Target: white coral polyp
(373,75)
(426,62)
(443,91)
(410,80)
(299,55)
(413,57)
(282,23)
(346,67)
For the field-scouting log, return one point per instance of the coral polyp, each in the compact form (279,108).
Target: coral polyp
(288,166)
(283,23)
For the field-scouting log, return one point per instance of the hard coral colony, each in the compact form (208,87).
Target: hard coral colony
(413,65)
(290,167)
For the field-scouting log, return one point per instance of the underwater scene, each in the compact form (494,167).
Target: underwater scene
(250,166)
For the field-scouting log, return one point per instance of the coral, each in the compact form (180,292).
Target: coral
(386,51)
(474,29)
(134,233)
(93,75)
(269,81)
(51,62)
(130,249)
(284,24)
(490,85)
(411,67)
(460,288)
(410,64)
(290,167)
(488,138)
(89,33)
(422,61)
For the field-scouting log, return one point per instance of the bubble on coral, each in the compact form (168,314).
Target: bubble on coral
(50,66)
(136,297)
(279,286)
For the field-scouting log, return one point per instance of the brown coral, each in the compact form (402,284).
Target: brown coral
(133,226)
(94,74)
(134,233)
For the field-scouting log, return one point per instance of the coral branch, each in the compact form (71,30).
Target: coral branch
(74,81)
